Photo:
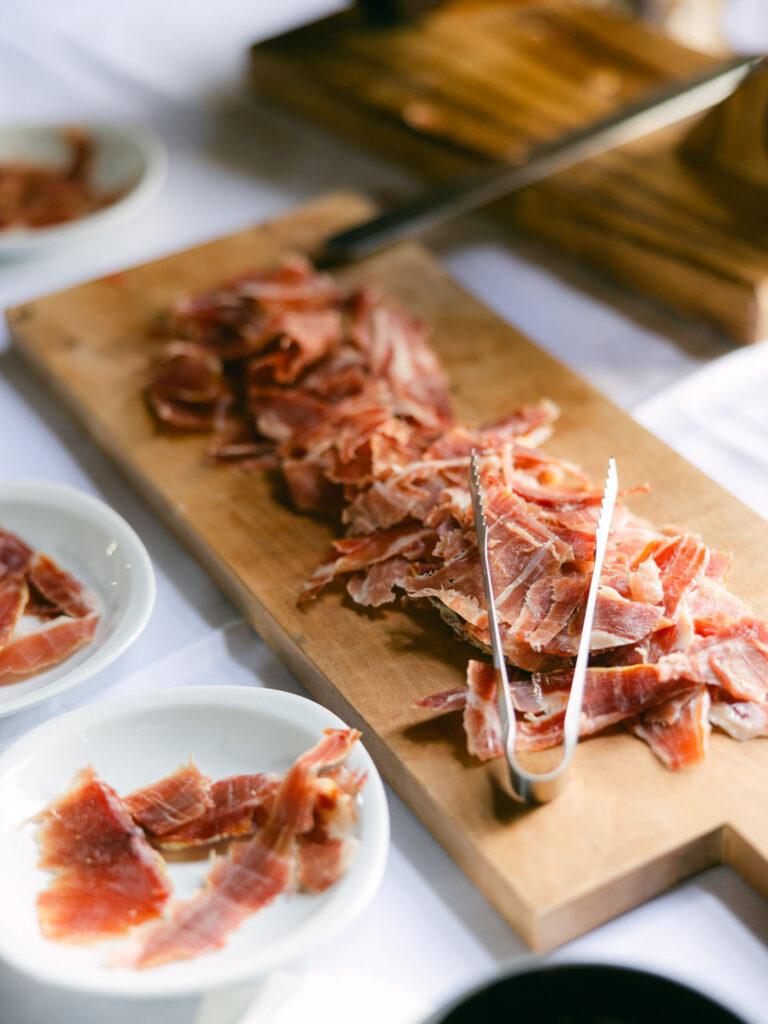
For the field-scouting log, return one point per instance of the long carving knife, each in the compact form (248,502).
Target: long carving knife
(540,787)
(444,202)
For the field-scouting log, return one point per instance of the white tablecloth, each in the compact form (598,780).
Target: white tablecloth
(429,933)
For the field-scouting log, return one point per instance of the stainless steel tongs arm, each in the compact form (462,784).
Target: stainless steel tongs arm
(540,787)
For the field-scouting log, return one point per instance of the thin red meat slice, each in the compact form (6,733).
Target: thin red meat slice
(681,561)
(15,555)
(550,603)
(193,416)
(610,696)
(712,607)
(482,724)
(522,549)
(254,872)
(454,699)
(326,851)
(354,553)
(310,488)
(678,730)
(398,353)
(294,284)
(177,799)
(377,587)
(238,806)
(14,596)
(527,425)
(243,447)
(56,589)
(108,877)
(304,337)
(280,413)
(736,660)
(187,372)
(44,649)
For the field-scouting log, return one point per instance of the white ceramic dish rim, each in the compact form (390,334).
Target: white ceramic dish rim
(143,984)
(155,159)
(143,584)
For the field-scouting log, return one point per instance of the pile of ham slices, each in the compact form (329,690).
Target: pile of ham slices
(45,613)
(344,396)
(291,831)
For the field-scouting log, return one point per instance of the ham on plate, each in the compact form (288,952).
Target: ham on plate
(46,615)
(289,832)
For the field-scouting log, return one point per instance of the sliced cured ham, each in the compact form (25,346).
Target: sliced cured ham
(39,651)
(677,730)
(611,695)
(325,852)
(238,806)
(107,876)
(254,872)
(355,553)
(14,596)
(164,806)
(45,613)
(343,394)
(15,555)
(54,591)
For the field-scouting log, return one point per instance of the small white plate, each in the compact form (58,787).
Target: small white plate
(91,541)
(124,158)
(132,741)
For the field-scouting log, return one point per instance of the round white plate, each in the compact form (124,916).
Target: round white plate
(95,544)
(132,741)
(124,158)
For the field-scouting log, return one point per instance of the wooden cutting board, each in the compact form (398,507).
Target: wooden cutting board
(479,81)
(626,828)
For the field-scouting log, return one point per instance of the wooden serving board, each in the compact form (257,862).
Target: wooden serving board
(486,80)
(626,828)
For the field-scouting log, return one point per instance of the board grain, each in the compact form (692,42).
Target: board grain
(479,81)
(626,828)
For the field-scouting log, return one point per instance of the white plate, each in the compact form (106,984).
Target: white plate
(132,741)
(91,541)
(124,158)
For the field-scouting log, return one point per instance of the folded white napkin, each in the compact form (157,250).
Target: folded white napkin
(718,419)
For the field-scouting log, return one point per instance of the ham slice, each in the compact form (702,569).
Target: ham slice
(326,851)
(15,555)
(54,591)
(107,876)
(37,652)
(610,696)
(14,595)
(238,806)
(677,730)
(254,872)
(164,806)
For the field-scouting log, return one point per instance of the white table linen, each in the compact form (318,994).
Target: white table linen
(429,933)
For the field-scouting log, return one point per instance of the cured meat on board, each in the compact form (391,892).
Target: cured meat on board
(342,394)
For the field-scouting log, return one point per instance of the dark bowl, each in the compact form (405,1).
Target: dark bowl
(584,994)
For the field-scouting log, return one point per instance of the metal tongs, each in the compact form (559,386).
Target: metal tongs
(540,787)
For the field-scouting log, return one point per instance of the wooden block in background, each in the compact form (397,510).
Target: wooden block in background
(626,828)
(480,80)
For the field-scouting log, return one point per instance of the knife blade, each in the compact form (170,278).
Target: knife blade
(435,206)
